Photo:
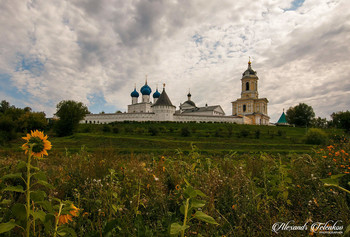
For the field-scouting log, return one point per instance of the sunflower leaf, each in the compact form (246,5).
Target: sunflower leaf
(12,176)
(17,188)
(40,176)
(5,227)
(44,183)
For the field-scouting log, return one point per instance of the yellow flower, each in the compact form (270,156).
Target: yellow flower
(177,187)
(64,219)
(74,211)
(39,142)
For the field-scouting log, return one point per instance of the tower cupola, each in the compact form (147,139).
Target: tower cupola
(135,93)
(156,95)
(134,96)
(146,90)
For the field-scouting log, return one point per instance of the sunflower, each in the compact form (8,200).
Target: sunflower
(64,219)
(39,142)
(74,211)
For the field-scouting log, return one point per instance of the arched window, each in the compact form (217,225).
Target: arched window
(247,86)
(244,108)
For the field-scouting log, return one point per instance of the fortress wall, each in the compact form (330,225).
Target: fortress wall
(118,117)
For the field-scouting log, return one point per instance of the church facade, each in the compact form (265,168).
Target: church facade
(249,109)
(250,105)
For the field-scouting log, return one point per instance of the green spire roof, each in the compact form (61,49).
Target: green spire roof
(282,119)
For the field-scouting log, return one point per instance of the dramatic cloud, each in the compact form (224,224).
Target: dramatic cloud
(95,51)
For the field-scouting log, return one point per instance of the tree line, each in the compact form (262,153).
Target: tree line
(303,115)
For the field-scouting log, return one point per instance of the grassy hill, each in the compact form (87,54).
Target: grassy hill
(168,138)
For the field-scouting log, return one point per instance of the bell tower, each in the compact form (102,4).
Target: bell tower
(249,83)
(250,105)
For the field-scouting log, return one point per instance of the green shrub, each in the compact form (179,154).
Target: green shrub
(316,136)
(115,130)
(244,133)
(257,134)
(153,131)
(86,129)
(106,128)
(185,132)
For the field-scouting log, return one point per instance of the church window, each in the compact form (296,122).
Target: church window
(247,86)
(244,108)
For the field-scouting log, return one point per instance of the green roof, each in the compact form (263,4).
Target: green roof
(282,119)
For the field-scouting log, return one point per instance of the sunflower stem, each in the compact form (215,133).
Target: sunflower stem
(57,219)
(28,191)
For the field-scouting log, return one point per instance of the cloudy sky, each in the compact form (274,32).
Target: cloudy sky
(95,51)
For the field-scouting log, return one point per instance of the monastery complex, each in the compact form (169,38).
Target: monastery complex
(249,109)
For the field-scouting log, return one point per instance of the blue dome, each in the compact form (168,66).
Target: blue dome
(146,90)
(156,94)
(134,93)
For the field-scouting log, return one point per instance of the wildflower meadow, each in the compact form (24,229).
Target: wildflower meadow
(105,193)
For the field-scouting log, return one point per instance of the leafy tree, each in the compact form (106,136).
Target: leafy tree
(300,115)
(319,122)
(32,120)
(70,113)
(7,129)
(4,105)
(341,120)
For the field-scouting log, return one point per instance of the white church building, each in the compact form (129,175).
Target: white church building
(161,108)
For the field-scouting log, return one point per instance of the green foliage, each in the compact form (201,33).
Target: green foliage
(7,128)
(133,195)
(319,122)
(32,121)
(70,113)
(191,209)
(257,134)
(300,115)
(341,120)
(115,130)
(36,211)
(316,136)
(106,128)
(185,132)
(244,133)
(153,130)
(14,120)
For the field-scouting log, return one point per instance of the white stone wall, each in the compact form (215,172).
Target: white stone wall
(203,118)
(140,108)
(119,117)
(142,117)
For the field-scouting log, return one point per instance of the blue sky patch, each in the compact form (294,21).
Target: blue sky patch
(11,91)
(295,5)
(99,104)
(31,64)
(198,39)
